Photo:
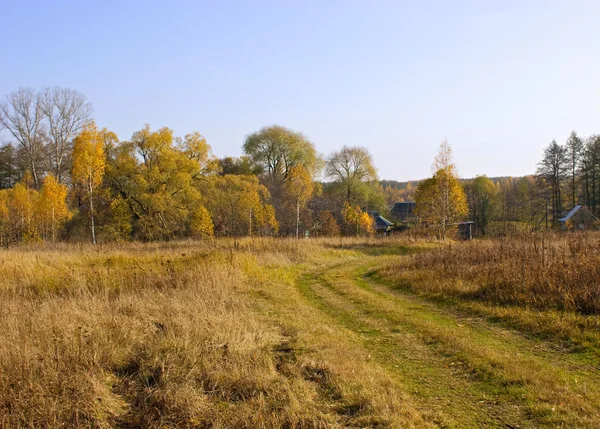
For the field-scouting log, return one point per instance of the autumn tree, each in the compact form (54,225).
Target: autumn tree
(198,152)
(393,195)
(4,218)
(201,224)
(327,225)
(574,149)
(52,211)
(298,187)
(397,192)
(357,221)
(111,140)
(22,200)
(113,215)
(440,200)
(239,205)
(89,164)
(277,150)
(160,177)
(590,172)
(238,166)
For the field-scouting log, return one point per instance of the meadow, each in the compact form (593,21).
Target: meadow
(269,333)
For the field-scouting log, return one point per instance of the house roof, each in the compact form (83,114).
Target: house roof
(578,209)
(404,206)
(571,213)
(382,223)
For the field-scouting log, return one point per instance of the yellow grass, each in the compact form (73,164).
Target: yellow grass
(274,333)
(171,335)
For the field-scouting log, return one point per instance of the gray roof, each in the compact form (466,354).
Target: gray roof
(404,206)
(570,214)
(382,223)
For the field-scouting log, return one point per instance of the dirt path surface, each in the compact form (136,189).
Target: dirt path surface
(459,369)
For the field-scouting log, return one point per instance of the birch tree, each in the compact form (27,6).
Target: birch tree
(441,200)
(52,210)
(89,163)
(299,188)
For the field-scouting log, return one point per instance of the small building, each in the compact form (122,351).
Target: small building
(382,225)
(577,218)
(403,212)
(465,230)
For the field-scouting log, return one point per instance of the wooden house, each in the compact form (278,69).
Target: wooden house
(382,225)
(403,212)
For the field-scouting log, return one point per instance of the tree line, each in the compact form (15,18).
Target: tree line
(570,173)
(567,175)
(63,177)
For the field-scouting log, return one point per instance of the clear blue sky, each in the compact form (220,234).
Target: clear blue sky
(498,79)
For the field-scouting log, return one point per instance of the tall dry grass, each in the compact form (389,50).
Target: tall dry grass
(167,335)
(139,335)
(545,271)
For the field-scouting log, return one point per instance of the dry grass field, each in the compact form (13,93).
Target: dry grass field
(273,333)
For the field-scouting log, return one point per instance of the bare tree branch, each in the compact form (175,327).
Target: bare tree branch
(66,112)
(22,116)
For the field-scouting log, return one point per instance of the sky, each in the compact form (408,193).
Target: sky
(499,80)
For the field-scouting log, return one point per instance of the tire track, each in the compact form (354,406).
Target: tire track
(443,391)
(491,376)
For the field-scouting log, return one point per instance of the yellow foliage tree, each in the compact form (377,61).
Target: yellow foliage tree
(201,224)
(89,163)
(4,218)
(441,200)
(238,205)
(357,220)
(298,187)
(160,178)
(51,210)
(21,202)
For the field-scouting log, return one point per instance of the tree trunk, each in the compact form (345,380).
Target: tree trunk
(92,215)
(53,220)
(594,189)
(573,181)
(250,224)
(297,218)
